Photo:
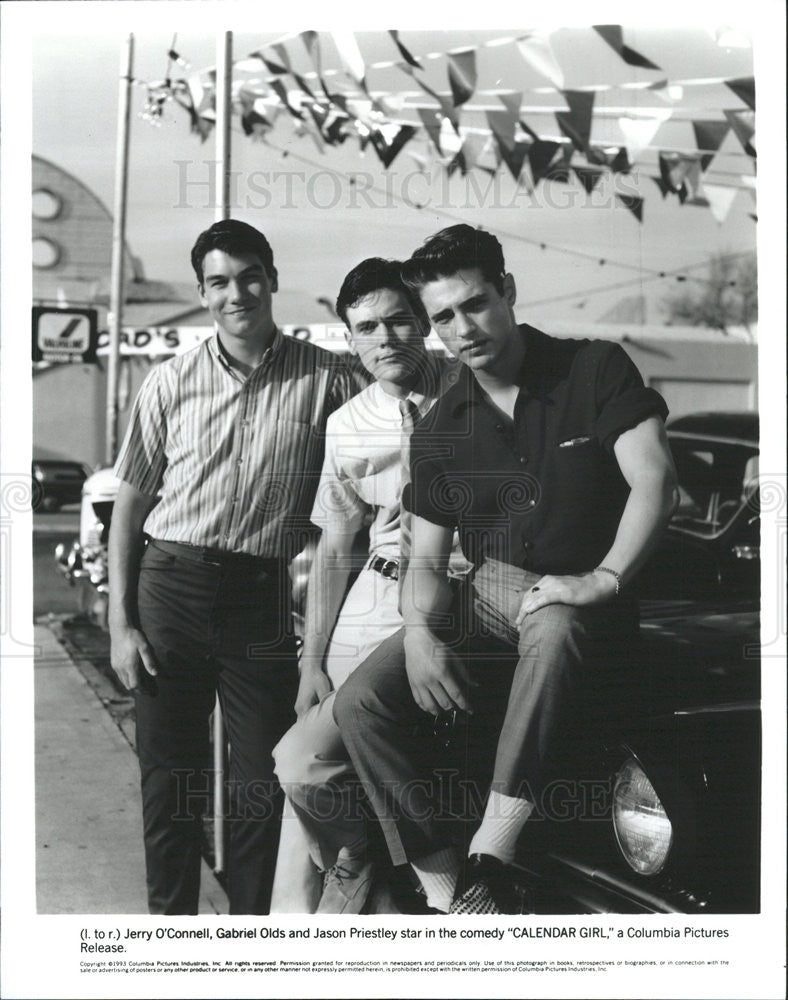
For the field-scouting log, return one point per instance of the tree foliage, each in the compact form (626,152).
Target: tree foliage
(727,297)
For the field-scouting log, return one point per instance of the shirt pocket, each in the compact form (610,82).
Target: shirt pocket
(577,462)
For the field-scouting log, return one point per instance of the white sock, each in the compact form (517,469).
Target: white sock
(438,876)
(503,820)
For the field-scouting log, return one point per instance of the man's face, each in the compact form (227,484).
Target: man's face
(387,336)
(474,320)
(237,290)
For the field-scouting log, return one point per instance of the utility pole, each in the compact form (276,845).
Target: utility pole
(118,246)
(224,86)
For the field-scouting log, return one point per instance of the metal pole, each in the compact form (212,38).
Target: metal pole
(118,244)
(224,86)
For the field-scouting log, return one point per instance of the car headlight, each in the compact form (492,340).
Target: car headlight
(643,830)
(38,473)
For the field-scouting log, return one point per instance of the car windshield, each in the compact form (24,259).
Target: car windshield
(717,478)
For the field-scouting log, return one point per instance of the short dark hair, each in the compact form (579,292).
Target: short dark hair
(454,249)
(371,275)
(233,237)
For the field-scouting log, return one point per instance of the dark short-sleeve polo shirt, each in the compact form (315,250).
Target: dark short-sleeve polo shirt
(545,492)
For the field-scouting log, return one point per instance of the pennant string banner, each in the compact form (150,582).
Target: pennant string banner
(462,75)
(576,123)
(404,52)
(378,118)
(613,34)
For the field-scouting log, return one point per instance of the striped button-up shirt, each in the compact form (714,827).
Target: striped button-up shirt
(234,461)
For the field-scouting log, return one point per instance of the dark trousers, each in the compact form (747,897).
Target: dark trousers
(224,628)
(534,687)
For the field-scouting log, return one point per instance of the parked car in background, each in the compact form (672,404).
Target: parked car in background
(55,481)
(663,810)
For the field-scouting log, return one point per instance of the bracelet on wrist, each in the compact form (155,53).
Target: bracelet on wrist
(612,572)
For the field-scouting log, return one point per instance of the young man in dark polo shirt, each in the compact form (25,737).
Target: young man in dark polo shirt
(549,456)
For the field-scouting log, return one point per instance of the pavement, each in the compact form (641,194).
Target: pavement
(89,854)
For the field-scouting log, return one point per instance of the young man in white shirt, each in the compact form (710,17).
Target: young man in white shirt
(361,485)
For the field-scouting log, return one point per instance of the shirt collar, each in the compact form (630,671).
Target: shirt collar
(219,353)
(536,375)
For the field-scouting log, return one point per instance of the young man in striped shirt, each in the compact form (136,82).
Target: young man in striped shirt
(218,473)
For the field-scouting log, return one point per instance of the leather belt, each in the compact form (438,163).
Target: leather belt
(215,557)
(386,567)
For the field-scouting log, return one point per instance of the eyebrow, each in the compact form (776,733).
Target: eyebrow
(468,303)
(370,324)
(253,269)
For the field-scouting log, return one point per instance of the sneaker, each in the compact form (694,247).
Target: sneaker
(346,884)
(485,887)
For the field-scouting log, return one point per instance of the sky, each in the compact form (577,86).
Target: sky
(320,225)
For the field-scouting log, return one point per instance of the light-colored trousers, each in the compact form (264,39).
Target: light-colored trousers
(311,756)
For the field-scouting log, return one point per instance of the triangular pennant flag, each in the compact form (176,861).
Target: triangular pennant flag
(409,59)
(350,54)
(620,163)
(673,169)
(540,156)
(638,132)
(303,85)
(613,34)
(450,141)
(663,185)
(720,200)
(633,203)
(271,66)
(336,132)
(512,103)
(432,124)
(743,87)
(279,89)
(178,59)
(709,136)
(588,177)
(515,157)
(188,96)
(254,123)
(320,115)
(311,41)
(742,130)
(576,122)
(447,109)
(462,75)
(535,48)
(387,151)
(502,127)
(284,57)
(692,182)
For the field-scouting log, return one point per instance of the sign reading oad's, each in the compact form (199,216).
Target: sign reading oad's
(64,334)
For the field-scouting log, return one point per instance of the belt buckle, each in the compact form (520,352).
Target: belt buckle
(389,570)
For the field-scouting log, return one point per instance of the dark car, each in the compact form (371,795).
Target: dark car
(55,481)
(662,813)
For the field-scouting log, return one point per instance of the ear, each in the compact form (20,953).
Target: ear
(349,341)
(509,289)
(274,281)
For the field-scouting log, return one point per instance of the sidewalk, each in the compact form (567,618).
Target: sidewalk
(89,855)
